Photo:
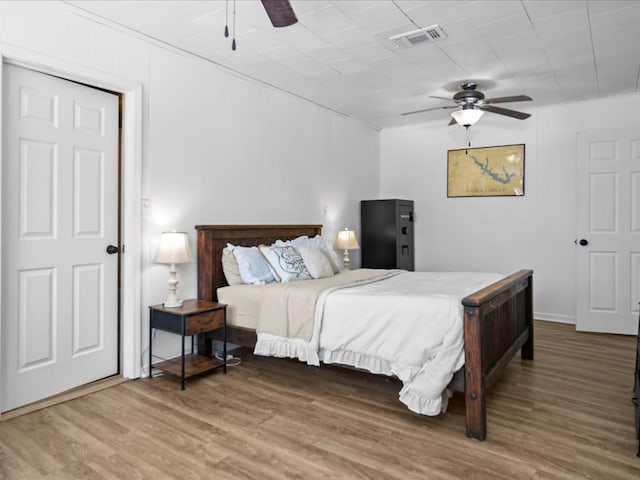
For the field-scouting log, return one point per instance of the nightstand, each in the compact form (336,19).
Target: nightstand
(194,317)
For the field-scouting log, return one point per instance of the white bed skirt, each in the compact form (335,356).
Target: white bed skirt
(409,326)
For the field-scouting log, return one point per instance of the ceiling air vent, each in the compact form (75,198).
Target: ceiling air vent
(433,33)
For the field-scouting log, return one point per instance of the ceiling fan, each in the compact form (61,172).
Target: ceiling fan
(280,12)
(474,105)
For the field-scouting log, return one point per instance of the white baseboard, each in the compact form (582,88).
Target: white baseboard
(554,317)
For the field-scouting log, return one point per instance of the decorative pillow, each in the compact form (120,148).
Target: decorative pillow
(303,240)
(253,267)
(230,267)
(332,256)
(316,262)
(316,242)
(287,263)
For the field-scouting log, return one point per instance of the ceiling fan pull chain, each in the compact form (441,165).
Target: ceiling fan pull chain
(466,151)
(233,42)
(226,20)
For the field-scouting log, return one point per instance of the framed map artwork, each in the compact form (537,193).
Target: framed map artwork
(486,172)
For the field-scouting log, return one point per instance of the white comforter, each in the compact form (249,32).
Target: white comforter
(409,325)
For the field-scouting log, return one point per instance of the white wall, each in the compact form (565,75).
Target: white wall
(502,234)
(216,148)
(227,151)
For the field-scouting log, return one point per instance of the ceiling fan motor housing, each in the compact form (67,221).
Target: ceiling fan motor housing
(469,96)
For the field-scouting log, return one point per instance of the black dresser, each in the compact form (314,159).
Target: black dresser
(387,234)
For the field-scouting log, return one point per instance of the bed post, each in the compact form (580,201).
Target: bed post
(475,394)
(527,349)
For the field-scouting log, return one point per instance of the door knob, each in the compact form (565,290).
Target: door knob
(584,242)
(111,249)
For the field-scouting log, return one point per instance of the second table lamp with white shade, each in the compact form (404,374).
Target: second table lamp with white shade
(347,241)
(173,249)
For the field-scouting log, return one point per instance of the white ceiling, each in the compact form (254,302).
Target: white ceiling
(339,54)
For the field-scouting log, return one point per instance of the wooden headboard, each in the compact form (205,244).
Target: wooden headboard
(213,238)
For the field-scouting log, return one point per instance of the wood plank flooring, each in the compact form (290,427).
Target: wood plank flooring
(566,415)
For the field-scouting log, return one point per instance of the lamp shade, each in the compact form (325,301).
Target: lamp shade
(173,248)
(347,240)
(467,116)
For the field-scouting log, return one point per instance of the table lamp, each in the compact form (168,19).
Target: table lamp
(347,241)
(174,248)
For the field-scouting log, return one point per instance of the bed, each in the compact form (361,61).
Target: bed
(498,319)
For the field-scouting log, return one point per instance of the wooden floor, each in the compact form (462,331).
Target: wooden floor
(566,415)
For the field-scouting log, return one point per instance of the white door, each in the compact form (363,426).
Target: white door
(59,213)
(608,231)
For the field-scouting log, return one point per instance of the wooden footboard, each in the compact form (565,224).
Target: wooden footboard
(498,320)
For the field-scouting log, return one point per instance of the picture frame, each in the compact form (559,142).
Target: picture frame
(496,171)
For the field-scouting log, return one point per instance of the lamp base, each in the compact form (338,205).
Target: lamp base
(345,260)
(172,304)
(172,301)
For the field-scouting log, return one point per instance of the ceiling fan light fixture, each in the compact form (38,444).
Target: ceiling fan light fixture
(467,117)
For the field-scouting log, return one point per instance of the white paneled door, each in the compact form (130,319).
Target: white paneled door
(59,214)
(608,231)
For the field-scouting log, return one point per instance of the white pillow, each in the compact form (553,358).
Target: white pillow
(332,256)
(230,267)
(253,267)
(316,242)
(286,262)
(316,262)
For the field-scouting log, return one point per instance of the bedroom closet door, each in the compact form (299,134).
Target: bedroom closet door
(608,231)
(59,327)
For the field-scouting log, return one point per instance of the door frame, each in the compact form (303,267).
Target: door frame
(131,188)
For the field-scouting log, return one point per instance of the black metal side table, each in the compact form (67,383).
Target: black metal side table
(194,317)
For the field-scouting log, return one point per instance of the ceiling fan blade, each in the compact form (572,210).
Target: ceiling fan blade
(504,111)
(514,98)
(280,12)
(429,109)
(443,98)
(452,122)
